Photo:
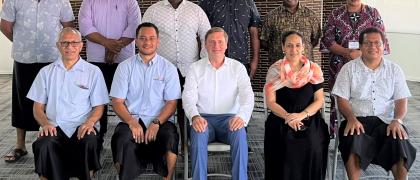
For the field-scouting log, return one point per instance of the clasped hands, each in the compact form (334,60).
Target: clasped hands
(139,135)
(294,120)
(112,48)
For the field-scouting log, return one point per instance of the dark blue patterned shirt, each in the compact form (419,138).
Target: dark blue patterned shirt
(235,17)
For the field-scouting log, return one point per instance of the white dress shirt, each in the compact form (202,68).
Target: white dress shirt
(371,92)
(178,31)
(226,90)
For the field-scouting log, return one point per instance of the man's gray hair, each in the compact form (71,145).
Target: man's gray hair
(67,30)
(216,29)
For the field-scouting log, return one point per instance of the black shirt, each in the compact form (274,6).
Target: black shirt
(235,17)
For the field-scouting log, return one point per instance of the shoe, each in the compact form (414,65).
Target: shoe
(15,155)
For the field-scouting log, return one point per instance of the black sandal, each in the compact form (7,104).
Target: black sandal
(14,155)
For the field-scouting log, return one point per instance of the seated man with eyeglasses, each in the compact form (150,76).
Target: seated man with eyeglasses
(372,96)
(69,96)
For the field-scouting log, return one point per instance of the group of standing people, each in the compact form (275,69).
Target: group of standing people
(182,57)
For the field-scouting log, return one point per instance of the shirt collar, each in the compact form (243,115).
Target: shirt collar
(78,66)
(365,68)
(361,11)
(226,63)
(299,8)
(151,62)
(166,3)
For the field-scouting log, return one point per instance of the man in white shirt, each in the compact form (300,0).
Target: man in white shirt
(372,96)
(182,25)
(218,99)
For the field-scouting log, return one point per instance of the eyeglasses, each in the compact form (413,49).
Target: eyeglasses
(67,43)
(376,43)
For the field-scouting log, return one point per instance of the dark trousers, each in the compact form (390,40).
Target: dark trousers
(180,114)
(61,157)
(134,157)
(108,70)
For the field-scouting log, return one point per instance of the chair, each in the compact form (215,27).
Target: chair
(335,155)
(212,147)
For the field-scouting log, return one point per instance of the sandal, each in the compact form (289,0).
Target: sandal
(15,155)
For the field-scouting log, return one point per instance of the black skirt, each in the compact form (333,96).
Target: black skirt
(61,157)
(374,146)
(295,155)
(23,77)
(134,157)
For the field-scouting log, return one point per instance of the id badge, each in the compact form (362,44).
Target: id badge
(353,44)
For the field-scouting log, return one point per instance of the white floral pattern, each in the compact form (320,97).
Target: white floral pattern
(36,27)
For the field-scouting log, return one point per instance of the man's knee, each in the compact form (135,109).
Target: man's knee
(90,139)
(199,139)
(238,135)
(122,132)
(49,142)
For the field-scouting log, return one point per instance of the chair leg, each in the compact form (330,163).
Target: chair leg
(185,145)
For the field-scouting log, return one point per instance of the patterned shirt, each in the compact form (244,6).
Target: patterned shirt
(112,19)
(36,27)
(371,92)
(343,27)
(69,95)
(280,20)
(178,31)
(235,17)
(146,87)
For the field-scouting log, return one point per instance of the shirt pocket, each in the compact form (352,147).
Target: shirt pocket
(79,94)
(384,87)
(361,87)
(157,89)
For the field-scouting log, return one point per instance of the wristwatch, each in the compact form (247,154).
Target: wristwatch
(156,121)
(399,121)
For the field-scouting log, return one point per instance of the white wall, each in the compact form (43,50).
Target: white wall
(402,25)
(405,51)
(6,61)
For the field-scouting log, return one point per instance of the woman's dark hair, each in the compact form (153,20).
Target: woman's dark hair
(287,34)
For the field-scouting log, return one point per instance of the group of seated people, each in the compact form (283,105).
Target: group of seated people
(69,97)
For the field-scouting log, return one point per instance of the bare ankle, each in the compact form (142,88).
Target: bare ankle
(117,167)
